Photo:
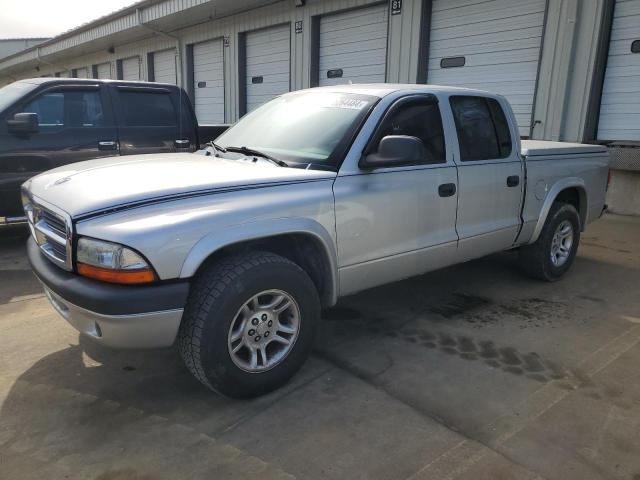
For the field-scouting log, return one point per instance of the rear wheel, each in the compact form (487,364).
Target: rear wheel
(249,324)
(553,253)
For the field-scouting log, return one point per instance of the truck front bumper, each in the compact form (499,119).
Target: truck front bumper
(145,316)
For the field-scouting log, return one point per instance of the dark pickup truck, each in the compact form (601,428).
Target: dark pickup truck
(48,122)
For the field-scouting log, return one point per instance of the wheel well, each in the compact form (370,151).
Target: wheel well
(577,197)
(303,249)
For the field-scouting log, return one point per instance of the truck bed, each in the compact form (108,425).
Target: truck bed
(544,148)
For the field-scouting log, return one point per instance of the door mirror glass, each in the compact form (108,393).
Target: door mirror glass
(395,150)
(23,123)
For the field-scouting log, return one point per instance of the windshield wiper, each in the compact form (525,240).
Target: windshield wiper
(216,148)
(251,151)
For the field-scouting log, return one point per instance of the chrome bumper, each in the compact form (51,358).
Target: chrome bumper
(140,330)
(9,221)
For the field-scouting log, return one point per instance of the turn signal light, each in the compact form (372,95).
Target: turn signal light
(127,277)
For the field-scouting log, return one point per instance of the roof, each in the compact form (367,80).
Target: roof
(383,89)
(92,81)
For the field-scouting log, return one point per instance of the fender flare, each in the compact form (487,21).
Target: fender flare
(554,191)
(234,234)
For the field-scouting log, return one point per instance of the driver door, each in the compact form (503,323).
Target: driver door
(393,222)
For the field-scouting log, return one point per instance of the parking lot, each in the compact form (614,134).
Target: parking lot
(473,372)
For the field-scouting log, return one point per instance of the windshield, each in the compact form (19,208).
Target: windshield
(312,127)
(13,92)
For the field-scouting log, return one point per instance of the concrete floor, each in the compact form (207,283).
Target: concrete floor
(473,372)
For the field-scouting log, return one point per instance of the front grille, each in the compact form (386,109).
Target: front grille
(50,231)
(54,222)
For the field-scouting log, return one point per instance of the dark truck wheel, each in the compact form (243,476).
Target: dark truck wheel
(552,254)
(249,324)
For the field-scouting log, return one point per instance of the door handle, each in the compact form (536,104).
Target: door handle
(182,143)
(110,145)
(447,189)
(513,181)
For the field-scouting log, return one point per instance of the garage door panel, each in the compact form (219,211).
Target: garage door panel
(356,43)
(164,66)
(208,79)
(131,68)
(267,55)
(499,38)
(489,27)
(356,58)
(477,14)
(449,48)
(512,60)
(354,47)
(500,41)
(620,101)
(82,73)
(104,70)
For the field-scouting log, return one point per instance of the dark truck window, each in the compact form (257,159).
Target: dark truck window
(420,119)
(483,130)
(148,109)
(67,108)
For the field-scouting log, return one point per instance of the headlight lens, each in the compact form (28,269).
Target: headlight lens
(112,262)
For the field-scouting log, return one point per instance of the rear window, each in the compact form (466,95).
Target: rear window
(147,109)
(483,130)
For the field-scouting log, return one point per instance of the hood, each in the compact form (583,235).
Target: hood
(97,185)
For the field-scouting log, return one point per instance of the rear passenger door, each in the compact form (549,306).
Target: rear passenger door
(490,177)
(153,120)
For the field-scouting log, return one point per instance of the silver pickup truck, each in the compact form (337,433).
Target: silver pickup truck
(232,251)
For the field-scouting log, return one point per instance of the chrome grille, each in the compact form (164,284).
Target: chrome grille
(51,232)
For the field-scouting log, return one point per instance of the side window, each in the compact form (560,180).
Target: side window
(419,119)
(502,127)
(67,108)
(148,109)
(483,131)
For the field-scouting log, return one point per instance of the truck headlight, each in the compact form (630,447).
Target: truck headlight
(112,262)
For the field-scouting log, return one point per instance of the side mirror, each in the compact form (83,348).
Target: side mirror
(395,150)
(23,123)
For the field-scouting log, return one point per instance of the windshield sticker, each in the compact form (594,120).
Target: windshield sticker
(348,103)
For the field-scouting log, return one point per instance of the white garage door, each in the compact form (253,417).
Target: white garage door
(268,64)
(208,79)
(103,70)
(491,45)
(82,73)
(353,46)
(620,103)
(164,67)
(64,74)
(131,68)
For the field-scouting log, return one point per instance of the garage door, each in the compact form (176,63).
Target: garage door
(208,79)
(103,70)
(267,64)
(491,45)
(620,104)
(164,67)
(131,68)
(82,73)
(353,46)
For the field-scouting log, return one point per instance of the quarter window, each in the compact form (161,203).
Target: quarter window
(483,130)
(420,119)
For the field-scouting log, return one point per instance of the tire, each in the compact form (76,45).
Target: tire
(536,259)
(219,301)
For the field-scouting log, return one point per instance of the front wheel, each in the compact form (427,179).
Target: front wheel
(249,324)
(553,253)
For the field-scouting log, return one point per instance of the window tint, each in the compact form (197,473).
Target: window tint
(419,119)
(502,127)
(147,109)
(483,131)
(71,108)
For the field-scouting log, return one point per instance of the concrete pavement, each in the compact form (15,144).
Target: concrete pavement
(472,372)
